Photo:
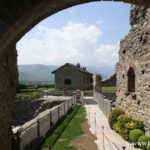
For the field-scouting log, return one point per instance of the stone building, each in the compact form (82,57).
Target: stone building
(133,68)
(71,76)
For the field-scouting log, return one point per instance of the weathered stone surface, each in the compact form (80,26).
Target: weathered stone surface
(135,52)
(8,81)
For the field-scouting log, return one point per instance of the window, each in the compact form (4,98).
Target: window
(84,80)
(87,80)
(131,80)
(67,81)
(91,80)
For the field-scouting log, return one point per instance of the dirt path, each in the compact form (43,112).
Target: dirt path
(86,140)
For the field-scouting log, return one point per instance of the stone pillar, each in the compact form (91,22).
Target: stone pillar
(97,83)
(8,83)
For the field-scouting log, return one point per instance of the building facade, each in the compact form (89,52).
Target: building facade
(72,77)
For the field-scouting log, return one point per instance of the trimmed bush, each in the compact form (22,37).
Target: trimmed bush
(113,117)
(134,124)
(135,134)
(124,119)
(120,126)
(148,146)
(144,142)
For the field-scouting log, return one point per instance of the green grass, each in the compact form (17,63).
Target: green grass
(68,130)
(32,93)
(108,88)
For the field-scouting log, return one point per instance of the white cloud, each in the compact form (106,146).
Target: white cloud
(107,54)
(75,42)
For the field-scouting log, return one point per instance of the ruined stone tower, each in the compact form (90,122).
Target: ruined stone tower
(133,68)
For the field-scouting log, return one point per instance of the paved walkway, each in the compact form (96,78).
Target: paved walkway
(107,139)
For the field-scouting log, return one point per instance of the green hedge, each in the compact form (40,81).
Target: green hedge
(144,142)
(148,146)
(113,117)
(135,134)
(120,126)
(135,124)
(124,124)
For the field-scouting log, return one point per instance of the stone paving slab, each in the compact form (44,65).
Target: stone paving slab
(107,139)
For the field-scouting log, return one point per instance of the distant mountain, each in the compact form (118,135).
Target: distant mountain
(105,71)
(37,73)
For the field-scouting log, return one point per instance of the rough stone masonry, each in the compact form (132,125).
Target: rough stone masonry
(133,68)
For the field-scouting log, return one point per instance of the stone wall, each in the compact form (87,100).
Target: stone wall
(135,53)
(31,134)
(8,81)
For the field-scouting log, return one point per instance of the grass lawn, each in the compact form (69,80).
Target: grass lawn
(67,131)
(108,88)
(32,93)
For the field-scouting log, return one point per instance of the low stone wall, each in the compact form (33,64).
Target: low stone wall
(30,135)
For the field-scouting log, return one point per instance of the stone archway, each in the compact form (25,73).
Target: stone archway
(17,18)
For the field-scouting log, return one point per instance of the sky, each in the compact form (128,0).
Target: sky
(88,34)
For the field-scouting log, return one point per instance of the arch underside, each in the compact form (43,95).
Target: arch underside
(18,17)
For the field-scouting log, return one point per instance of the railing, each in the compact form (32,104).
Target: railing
(31,134)
(105,104)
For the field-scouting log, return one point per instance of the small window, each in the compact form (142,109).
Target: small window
(87,80)
(91,80)
(67,81)
(84,80)
(131,80)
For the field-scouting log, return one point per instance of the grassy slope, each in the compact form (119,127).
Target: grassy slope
(69,129)
(31,94)
(108,88)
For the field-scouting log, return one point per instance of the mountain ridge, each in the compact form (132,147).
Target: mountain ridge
(39,72)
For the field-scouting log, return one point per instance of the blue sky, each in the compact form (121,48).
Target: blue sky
(88,33)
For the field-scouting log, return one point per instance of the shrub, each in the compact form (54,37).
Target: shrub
(116,127)
(113,117)
(144,142)
(135,134)
(148,146)
(124,119)
(134,124)
(120,126)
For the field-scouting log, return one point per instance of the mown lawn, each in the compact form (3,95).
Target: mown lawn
(68,130)
(108,88)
